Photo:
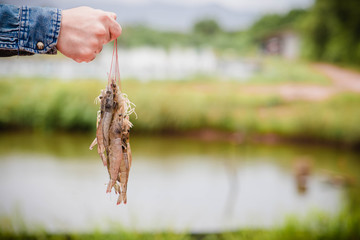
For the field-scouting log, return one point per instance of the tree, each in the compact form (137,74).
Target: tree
(332,31)
(270,23)
(207,27)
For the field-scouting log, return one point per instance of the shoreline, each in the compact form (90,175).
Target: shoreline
(209,135)
(213,135)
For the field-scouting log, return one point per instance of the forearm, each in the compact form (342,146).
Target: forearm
(28,30)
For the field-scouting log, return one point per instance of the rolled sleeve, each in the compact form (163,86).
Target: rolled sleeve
(29,29)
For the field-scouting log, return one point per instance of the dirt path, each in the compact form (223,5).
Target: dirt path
(295,91)
(342,80)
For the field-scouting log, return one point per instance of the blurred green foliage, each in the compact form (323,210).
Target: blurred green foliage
(44,104)
(332,31)
(271,23)
(277,71)
(207,27)
(206,33)
(135,36)
(238,41)
(164,106)
(315,227)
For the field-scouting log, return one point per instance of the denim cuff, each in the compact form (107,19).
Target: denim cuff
(39,29)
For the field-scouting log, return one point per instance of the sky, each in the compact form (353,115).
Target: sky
(180,14)
(249,5)
(242,5)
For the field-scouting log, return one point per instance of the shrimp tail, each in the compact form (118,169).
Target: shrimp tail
(110,185)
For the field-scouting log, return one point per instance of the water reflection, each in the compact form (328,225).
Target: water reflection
(175,184)
(302,170)
(233,178)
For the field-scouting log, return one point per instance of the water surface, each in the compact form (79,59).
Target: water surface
(55,182)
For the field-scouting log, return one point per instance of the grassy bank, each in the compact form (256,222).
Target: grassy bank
(182,106)
(344,226)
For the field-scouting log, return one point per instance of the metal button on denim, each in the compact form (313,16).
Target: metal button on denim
(40,45)
(28,30)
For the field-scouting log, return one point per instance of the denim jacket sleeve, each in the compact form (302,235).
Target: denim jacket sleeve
(28,30)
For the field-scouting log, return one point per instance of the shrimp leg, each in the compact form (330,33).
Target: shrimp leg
(100,141)
(92,145)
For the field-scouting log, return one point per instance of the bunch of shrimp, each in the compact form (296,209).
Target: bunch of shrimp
(112,137)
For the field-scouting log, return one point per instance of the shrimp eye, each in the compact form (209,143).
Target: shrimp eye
(101,97)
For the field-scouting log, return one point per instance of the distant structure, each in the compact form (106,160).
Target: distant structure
(283,43)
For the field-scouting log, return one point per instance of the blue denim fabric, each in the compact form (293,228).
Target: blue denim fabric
(21,28)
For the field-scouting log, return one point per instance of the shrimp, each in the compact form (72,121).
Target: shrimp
(108,113)
(115,156)
(125,163)
(126,134)
(112,137)
(129,153)
(99,140)
(92,145)
(124,176)
(115,147)
(117,188)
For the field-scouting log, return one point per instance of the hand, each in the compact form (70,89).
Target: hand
(84,31)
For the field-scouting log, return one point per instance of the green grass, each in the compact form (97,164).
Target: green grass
(314,227)
(177,106)
(277,70)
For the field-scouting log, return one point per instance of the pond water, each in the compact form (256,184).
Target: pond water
(54,182)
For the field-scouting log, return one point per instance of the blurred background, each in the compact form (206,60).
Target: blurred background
(248,125)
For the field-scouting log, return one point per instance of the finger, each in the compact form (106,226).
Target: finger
(115,30)
(112,15)
(98,50)
(90,59)
(104,39)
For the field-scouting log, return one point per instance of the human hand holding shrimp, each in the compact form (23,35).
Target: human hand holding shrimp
(84,31)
